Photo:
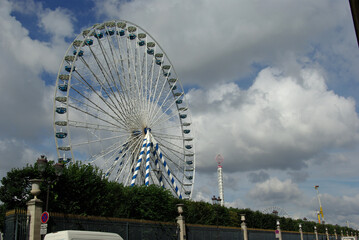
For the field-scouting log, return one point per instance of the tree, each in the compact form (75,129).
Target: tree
(82,189)
(15,189)
(2,217)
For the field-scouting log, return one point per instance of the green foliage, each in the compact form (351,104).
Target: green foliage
(2,217)
(15,189)
(148,202)
(82,189)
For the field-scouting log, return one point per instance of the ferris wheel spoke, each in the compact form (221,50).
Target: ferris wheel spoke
(135,149)
(94,108)
(95,126)
(163,128)
(112,106)
(175,153)
(164,102)
(156,95)
(103,152)
(122,78)
(92,115)
(109,87)
(128,152)
(113,66)
(124,102)
(130,56)
(96,141)
(166,136)
(103,88)
(164,118)
(150,77)
(117,96)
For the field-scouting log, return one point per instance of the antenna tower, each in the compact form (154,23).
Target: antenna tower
(219,160)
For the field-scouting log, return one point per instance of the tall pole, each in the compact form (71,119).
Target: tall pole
(301,231)
(320,204)
(219,160)
(316,233)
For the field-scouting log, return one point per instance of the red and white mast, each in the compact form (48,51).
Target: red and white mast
(219,160)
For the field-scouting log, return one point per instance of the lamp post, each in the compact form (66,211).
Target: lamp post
(316,232)
(326,233)
(301,231)
(244,227)
(181,222)
(279,231)
(335,234)
(216,201)
(42,164)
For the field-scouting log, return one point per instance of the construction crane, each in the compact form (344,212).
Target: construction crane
(320,206)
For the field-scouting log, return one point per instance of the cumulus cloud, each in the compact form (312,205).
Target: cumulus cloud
(15,153)
(256,177)
(25,100)
(210,36)
(58,23)
(298,176)
(280,122)
(275,191)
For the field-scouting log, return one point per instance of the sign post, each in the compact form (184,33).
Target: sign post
(44,219)
(276,233)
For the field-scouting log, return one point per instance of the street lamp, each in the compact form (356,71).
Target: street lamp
(216,200)
(244,227)
(42,163)
(278,231)
(301,231)
(316,232)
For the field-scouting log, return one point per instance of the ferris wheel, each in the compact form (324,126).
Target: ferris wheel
(119,105)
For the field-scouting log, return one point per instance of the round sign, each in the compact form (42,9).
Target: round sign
(44,217)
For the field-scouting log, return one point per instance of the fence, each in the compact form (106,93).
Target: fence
(17,228)
(17,224)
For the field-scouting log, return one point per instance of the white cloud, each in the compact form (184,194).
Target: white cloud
(210,36)
(256,177)
(25,100)
(273,191)
(57,23)
(14,154)
(280,122)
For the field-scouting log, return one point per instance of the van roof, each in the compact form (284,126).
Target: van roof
(75,234)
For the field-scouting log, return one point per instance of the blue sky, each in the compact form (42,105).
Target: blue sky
(272,86)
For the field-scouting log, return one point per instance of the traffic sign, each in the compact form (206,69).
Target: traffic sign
(276,233)
(44,217)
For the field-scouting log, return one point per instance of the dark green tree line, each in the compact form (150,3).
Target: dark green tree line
(83,190)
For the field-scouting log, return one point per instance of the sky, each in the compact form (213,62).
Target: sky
(272,86)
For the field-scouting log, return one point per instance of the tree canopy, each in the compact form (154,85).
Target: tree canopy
(82,189)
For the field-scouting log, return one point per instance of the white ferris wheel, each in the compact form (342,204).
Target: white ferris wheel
(120,105)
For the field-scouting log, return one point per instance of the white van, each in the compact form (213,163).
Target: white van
(82,235)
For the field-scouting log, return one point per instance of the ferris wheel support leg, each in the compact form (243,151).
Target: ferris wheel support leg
(174,185)
(138,165)
(158,167)
(147,177)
